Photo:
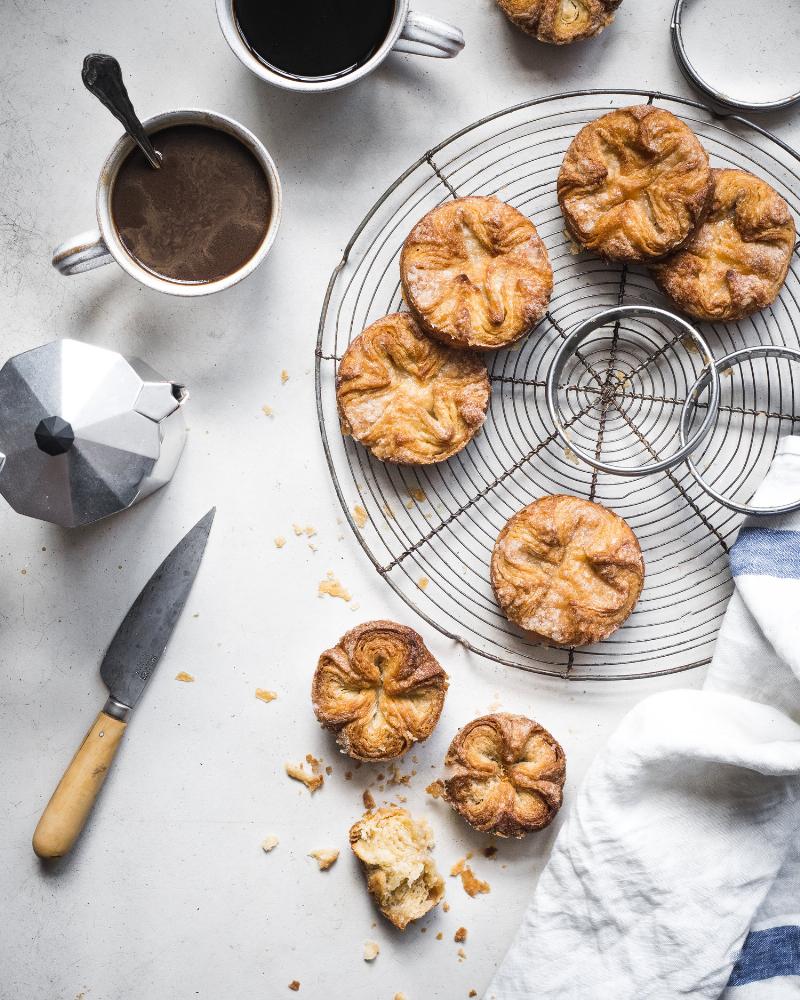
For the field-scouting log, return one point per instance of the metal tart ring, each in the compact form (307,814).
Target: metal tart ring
(696,80)
(604,318)
(735,358)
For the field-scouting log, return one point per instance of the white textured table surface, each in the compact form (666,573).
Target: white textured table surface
(168,894)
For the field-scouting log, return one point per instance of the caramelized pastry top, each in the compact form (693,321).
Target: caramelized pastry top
(567,570)
(560,21)
(408,398)
(508,775)
(394,849)
(737,261)
(379,690)
(634,184)
(476,273)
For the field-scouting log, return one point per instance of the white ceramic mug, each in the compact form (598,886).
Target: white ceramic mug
(408,32)
(102,245)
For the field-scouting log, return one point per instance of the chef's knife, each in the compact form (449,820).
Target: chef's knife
(128,664)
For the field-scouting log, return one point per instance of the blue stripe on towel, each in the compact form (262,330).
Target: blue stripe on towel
(766,954)
(766,552)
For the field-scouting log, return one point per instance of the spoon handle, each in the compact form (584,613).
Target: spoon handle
(102,77)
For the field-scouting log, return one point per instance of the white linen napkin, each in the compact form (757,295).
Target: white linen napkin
(678,872)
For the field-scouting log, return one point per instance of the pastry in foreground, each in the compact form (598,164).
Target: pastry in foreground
(380,690)
(634,184)
(476,273)
(508,775)
(395,850)
(407,398)
(560,21)
(737,260)
(567,570)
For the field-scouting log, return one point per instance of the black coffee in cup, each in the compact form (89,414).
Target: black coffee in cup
(317,39)
(202,215)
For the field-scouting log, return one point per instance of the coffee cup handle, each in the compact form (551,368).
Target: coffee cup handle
(83,252)
(428,36)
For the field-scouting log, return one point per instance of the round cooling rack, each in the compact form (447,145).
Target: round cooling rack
(429,531)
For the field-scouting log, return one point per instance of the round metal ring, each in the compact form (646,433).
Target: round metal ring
(596,322)
(689,70)
(735,358)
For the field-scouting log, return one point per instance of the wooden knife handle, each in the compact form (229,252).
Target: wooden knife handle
(68,809)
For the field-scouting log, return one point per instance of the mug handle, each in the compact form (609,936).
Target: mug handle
(83,252)
(428,36)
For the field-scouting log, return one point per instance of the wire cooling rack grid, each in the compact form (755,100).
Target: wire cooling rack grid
(430,530)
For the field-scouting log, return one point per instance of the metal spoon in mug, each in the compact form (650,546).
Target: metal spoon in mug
(102,76)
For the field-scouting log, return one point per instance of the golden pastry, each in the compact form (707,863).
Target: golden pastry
(560,21)
(395,850)
(476,273)
(634,184)
(567,570)
(379,690)
(738,259)
(407,398)
(508,775)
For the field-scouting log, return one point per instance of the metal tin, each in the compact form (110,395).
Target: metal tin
(85,432)
(729,361)
(695,61)
(616,317)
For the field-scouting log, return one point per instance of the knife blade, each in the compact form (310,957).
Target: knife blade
(130,660)
(141,639)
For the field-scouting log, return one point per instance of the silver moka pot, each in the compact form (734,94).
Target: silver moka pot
(85,432)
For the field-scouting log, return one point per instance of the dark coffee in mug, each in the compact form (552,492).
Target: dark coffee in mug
(316,39)
(202,215)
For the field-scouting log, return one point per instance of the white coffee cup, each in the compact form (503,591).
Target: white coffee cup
(409,32)
(103,245)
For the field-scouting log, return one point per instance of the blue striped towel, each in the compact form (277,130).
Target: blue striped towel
(678,872)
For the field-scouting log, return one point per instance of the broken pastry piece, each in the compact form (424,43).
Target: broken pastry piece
(508,775)
(379,690)
(395,851)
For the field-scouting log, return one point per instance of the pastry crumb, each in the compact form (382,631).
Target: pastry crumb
(460,935)
(297,529)
(309,531)
(435,789)
(400,996)
(489,852)
(368,799)
(333,588)
(348,775)
(371,950)
(267,410)
(264,695)
(360,516)
(313,547)
(269,844)
(417,494)
(183,676)
(325,857)
(461,954)
(298,773)
(472,993)
(439,936)
(280,541)
(387,510)
(423,582)
(473,885)
(294,985)
(446,906)
(284,377)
